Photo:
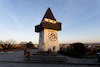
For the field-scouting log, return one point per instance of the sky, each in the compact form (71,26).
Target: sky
(80,19)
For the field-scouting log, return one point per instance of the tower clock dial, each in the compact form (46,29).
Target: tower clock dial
(52,36)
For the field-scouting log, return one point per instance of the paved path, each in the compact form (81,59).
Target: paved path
(16,59)
(14,56)
(41,65)
(81,60)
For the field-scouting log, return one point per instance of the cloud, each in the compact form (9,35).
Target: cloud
(94,14)
(9,14)
(13,17)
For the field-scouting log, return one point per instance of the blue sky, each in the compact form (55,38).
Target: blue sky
(80,19)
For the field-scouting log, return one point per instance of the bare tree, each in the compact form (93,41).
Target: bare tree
(11,41)
(1,42)
(23,43)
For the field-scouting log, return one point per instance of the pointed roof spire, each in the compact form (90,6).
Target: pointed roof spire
(49,14)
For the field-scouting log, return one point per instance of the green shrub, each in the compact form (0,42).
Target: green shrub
(79,48)
(97,50)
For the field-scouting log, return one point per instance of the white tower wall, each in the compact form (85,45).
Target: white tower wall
(45,43)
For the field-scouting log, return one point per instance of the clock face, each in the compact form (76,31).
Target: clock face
(52,36)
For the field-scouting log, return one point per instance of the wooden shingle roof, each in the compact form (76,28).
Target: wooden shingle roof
(49,14)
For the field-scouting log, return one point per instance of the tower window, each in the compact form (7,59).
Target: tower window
(53,21)
(48,20)
(40,36)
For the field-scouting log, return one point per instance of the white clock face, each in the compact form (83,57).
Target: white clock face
(52,36)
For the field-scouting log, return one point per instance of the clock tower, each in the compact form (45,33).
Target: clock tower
(48,32)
